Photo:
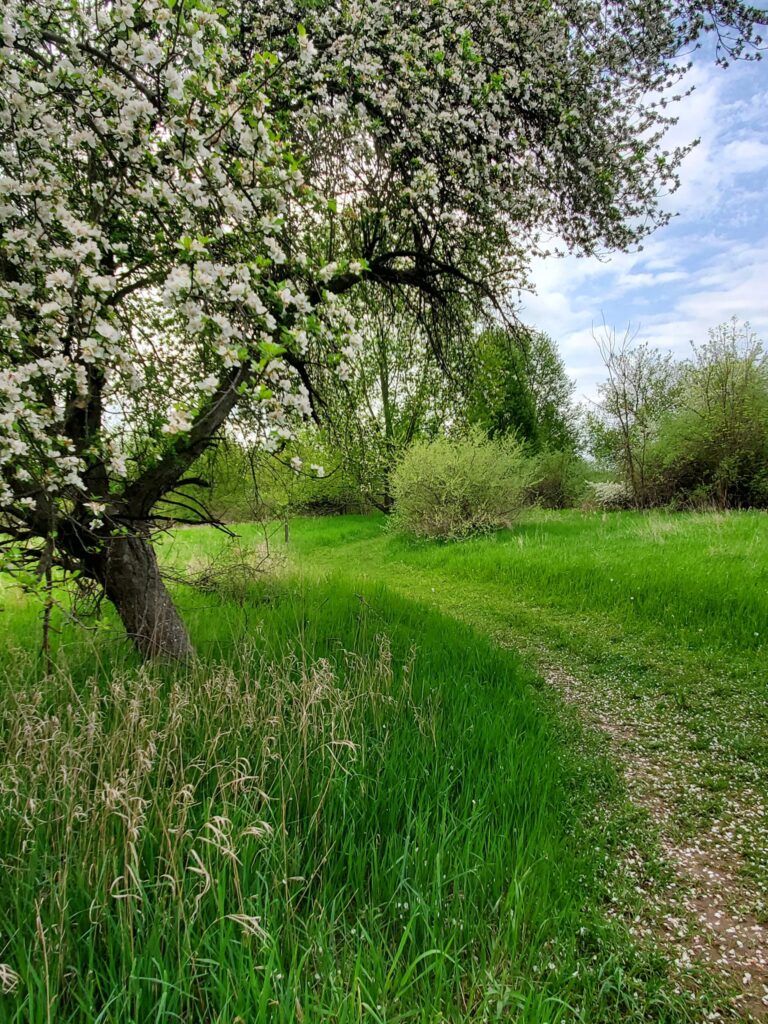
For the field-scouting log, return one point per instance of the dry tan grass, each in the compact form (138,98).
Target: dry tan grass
(199,769)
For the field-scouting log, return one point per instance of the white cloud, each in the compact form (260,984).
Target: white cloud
(745,155)
(708,264)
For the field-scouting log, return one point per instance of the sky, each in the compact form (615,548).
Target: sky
(708,264)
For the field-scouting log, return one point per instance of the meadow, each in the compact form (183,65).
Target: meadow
(667,611)
(364,802)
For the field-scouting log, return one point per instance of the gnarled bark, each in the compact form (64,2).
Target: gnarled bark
(128,571)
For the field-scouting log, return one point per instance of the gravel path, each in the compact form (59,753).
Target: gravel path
(706,913)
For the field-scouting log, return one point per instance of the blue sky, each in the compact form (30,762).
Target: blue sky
(708,264)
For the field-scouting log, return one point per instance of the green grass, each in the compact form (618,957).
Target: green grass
(358,807)
(351,810)
(664,615)
(696,584)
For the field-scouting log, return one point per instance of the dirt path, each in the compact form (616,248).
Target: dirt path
(707,802)
(704,913)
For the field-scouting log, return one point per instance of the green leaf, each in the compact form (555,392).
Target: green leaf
(270,350)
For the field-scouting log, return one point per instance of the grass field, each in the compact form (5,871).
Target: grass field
(668,609)
(361,804)
(668,612)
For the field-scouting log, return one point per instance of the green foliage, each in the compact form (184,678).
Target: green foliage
(347,803)
(642,385)
(394,390)
(712,446)
(309,476)
(519,385)
(451,488)
(559,479)
(246,484)
(232,494)
(690,433)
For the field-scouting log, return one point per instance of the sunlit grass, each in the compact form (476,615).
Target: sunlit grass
(665,615)
(354,807)
(349,810)
(696,580)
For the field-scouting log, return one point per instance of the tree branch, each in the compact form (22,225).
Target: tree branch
(65,44)
(143,493)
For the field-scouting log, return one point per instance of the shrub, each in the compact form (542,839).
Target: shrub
(608,495)
(454,488)
(559,480)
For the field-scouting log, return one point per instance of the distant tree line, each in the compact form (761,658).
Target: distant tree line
(690,432)
(410,424)
(404,390)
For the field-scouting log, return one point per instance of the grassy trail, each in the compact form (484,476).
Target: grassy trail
(667,615)
(656,627)
(358,808)
(350,809)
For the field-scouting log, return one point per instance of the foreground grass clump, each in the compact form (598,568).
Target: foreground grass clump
(360,813)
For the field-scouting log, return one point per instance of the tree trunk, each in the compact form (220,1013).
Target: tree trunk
(127,569)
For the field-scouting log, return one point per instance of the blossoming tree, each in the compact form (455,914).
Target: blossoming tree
(188,189)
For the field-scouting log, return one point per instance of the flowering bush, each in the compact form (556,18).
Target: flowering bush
(608,495)
(454,488)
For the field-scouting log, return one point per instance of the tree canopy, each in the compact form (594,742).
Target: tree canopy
(189,190)
(691,432)
(519,385)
